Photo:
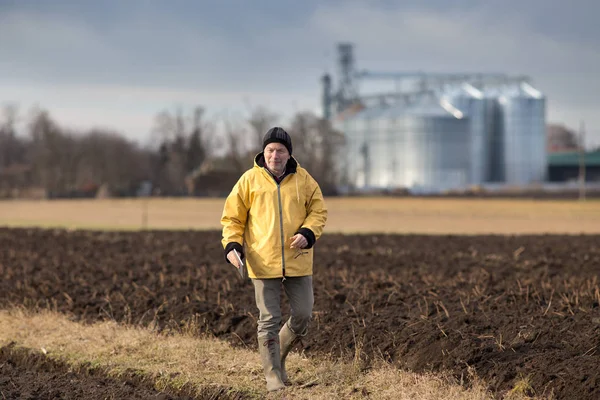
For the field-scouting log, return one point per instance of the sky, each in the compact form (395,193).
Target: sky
(116,64)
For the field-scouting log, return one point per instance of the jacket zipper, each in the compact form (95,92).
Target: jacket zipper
(281,230)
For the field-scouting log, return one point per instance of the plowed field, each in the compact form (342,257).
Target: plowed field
(506,308)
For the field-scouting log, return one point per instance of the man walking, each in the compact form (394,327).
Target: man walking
(273,216)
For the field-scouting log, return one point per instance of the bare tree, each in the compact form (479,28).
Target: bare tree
(107,158)
(197,147)
(14,172)
(560,138)
(332,144)
(316,147)
(183,157)
(238,153)
(11,148)
(164,127)
(306,139)
(46,144)
(72,164)
(261,119)
(184,145)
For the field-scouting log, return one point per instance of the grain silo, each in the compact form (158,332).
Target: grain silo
(359,151)
(440,131)
(436,147)
(522,112)
(422,146)
(479,109)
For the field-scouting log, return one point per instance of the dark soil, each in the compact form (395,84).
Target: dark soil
(502,307)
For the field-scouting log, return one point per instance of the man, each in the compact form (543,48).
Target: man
(273,216)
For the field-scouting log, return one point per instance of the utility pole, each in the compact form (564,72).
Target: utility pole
(366,164)
(582,161)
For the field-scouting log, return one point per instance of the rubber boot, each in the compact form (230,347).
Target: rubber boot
(287,340)
(271,362)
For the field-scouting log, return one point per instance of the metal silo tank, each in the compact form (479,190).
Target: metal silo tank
(363,134)
(345,126)
(387,148)
(397,146)
(495,141)
(375,155)
(523,116)
(437,153)
(473,103)
(354,129)
(351,126)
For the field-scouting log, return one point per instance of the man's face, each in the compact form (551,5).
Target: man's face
(276,157)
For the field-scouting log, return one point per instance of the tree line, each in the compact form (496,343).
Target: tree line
(188,155)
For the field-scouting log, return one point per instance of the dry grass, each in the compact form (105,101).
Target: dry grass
(199,364)
(349,215)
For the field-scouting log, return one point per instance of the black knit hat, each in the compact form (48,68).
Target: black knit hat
(278,135)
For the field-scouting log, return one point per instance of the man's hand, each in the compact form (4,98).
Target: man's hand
(298,241)
(233,259)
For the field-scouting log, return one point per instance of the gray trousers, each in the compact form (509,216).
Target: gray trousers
(267,292)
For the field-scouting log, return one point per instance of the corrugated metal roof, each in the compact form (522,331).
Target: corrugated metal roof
(513,90)
(463,90)
(571,159)
(431,110)
(424,109)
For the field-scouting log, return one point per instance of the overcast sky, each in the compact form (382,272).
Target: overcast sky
(117,63)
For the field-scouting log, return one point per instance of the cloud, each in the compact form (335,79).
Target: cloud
(125,56)
(466,40)
(152,47)
(566,70)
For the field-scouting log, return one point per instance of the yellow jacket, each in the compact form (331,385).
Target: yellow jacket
(260,217)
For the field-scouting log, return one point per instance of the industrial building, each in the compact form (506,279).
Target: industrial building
(436,132)
(573,166)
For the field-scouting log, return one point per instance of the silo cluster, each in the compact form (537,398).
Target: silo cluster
(454,137)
